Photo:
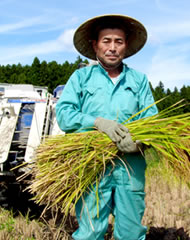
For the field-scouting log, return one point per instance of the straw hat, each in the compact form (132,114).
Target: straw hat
(136,34)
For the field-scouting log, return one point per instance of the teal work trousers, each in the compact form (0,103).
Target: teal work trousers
(121,193)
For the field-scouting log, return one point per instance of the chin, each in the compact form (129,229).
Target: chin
(112,64)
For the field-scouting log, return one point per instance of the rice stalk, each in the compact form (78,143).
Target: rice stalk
(67,166)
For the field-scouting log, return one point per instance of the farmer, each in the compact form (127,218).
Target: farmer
(102,96)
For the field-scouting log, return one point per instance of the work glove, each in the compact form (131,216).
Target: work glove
(127,145)
(118,134)
(114,130)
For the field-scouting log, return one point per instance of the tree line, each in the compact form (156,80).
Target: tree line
(53,74)
(172,97)
(39,73)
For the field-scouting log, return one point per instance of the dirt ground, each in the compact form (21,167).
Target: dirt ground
(167,234)
(167,217)
(154,233)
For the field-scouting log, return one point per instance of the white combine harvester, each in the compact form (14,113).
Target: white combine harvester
(27,116)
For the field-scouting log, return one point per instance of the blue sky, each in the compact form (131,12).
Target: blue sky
(44,28)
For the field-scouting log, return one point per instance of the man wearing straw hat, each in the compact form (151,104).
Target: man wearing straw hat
(103,96)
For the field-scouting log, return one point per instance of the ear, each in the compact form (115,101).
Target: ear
(94,45)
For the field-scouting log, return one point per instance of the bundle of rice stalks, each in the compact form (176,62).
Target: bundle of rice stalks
(67,165)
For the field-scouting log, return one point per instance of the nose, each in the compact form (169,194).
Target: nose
(112,46)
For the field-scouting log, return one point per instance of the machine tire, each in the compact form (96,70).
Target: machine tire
(4,197)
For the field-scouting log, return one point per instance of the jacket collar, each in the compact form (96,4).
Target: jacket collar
(129,79)
(127,75)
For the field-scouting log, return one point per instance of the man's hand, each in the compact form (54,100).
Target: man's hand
(113,129)
(127,145)
(118,134)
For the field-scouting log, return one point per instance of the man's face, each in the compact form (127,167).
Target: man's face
(110,47)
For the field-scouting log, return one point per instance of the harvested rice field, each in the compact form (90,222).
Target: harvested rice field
(167,211)
(167,214)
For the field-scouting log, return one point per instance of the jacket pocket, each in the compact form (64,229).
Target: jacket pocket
(93,101)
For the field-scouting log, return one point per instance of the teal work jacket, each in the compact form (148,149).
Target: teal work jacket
(90,93)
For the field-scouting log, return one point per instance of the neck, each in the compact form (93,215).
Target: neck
(113,71)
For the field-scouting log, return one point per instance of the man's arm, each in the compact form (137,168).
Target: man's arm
(68,108)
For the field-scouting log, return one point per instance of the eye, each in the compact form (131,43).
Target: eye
(119,42)
(105,41)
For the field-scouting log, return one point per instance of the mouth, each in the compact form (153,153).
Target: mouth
(112,56)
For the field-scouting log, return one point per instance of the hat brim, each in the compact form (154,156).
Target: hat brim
(136,35)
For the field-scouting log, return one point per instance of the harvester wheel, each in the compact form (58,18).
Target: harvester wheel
(3,197)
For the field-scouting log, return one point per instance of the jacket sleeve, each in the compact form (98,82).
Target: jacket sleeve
(69,113)
(146,99)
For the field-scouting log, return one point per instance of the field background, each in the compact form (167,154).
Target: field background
(167,210)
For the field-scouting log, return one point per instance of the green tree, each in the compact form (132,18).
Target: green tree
(54,72)
(44,74)
(158,94)
(13,78)
(22,79)
(185,94)
(34,77)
